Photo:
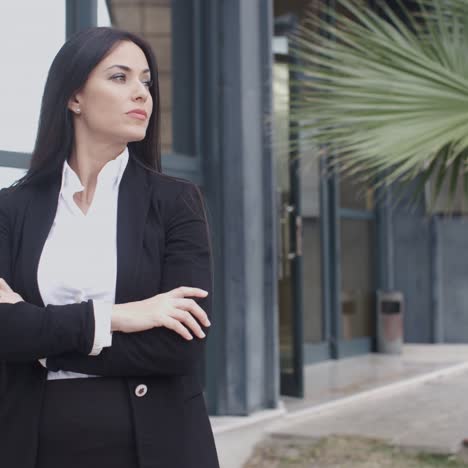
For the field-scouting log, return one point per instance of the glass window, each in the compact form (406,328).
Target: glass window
(25,63)
(168,27)
(357,272)
(355,195)
(311,248)
(281,137)
(445,204)
(8,175)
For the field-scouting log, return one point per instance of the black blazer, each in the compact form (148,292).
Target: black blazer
(163,242)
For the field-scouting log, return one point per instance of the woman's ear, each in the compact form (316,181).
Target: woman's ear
(74,104)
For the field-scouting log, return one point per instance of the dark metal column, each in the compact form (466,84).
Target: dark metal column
(238,170)
(271,383)
(80,14)
(436,284)
(385,250)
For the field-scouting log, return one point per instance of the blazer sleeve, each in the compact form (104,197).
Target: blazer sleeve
(29,332)
(187,262)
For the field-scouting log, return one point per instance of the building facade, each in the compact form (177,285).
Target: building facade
(299,253)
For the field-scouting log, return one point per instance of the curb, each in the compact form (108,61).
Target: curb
(379,392)
(242,422)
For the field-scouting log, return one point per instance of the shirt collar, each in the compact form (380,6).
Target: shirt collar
(110,174)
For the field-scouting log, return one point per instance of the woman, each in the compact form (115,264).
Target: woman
(106,276)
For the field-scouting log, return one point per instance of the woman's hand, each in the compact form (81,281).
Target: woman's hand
(171,310)
(7,295)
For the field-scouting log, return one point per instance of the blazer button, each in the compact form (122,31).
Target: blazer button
(141,390)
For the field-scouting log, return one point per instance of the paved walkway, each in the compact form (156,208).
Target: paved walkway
(432,416)
(418,400)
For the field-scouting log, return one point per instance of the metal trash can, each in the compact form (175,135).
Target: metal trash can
(390,308)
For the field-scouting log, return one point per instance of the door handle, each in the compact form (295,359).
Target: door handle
(298,235)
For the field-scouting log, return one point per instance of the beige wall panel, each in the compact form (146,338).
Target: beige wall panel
(157,20)
(162,47)
(142,2)
(127,17)
(165,90)
(127,2)
(166,127)
(152,20)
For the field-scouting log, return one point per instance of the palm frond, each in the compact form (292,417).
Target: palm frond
(386,93)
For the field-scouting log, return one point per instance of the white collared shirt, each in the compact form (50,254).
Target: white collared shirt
(79,258)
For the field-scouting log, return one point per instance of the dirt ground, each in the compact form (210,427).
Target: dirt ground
(342,452)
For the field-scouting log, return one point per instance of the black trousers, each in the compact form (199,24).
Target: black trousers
(86,423)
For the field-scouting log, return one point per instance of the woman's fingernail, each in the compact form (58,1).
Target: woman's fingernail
(203,335)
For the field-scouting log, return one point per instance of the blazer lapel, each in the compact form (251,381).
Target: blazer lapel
(133,204)
(38,221)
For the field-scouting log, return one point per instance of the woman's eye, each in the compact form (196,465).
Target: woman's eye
(122,78)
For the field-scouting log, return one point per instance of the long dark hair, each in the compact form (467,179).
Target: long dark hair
(68,73)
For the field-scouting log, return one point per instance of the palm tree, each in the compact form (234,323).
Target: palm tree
(386,91)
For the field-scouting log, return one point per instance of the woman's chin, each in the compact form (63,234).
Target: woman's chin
(135,136)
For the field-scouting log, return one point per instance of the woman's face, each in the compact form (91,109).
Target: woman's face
(118,85)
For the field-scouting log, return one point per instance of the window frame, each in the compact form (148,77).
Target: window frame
(83,14)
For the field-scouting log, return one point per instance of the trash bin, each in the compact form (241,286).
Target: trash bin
(390,308)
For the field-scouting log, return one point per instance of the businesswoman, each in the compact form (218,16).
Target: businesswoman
(106,277)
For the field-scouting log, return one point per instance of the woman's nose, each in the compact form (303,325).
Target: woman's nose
(141,92)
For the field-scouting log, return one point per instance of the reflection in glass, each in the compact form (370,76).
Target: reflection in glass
(355,195)
(357,272)
(311,255)
(281,153)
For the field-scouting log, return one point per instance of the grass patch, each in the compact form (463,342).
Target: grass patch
(340,452)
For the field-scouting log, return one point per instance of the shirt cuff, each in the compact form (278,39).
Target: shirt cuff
(43,361)
(102,327)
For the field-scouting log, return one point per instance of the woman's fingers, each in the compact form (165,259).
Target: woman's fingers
(180,294)
(183,291)
(176,326)
(187,318)
(9,297)
(172,310)
(4,286)
(194,308)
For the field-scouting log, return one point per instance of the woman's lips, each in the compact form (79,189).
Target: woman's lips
(137,115)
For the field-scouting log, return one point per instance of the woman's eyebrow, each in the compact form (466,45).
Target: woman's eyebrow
(126,68)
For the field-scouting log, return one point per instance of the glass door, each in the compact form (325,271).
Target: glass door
(289,232)
(316,264)
(358,267)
